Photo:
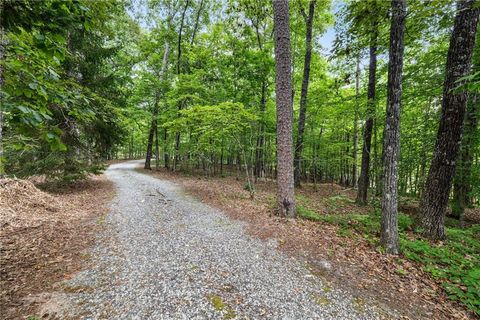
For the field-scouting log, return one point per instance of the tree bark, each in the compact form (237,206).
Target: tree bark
(391,142)
(283,85)
(462,184)
(439,180)
(304,92)
(364,178)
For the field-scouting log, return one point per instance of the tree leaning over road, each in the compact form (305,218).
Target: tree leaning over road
(283,85)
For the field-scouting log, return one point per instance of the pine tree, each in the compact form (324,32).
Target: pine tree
(283,93)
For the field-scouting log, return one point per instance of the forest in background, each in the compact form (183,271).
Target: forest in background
(191,86)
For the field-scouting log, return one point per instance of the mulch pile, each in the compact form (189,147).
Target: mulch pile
(22,205)
(42,234)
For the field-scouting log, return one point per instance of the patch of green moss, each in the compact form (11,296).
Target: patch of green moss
(221,306)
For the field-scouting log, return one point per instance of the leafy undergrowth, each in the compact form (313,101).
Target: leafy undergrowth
(454,262)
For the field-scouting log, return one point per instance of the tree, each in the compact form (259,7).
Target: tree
(439,181)
(154,125)
(364,178)
(463,181)
(283,94)
(391,143)
(303,95)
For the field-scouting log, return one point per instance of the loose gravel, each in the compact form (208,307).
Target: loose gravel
(165,255)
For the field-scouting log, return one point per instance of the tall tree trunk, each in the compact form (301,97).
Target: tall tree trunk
(259,169)
(462,181)
(462,184)
(364,178)
(153,125)
(259,152)
(176,156)
(439,181)
(391,139)
(355,123)
(283,85)
(304,92)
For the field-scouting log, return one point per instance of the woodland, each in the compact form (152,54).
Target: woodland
(378,97)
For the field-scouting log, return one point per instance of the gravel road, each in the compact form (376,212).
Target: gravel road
(165,255)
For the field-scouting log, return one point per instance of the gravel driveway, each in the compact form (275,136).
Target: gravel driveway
(165,255)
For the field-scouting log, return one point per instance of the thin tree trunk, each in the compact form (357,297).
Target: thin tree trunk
(151,133)
(153,125)
(165,150)
(157,149)
(439,181)
(176,156)
(391,139)
(259,152)
(197,20)
(364,179)
(304,92)
(283,84)
(355,123)
(179,44)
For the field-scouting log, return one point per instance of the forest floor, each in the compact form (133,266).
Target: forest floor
(43,232)
(160,253)
(332,229)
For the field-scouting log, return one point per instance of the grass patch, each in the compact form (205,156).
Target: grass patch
(455,262)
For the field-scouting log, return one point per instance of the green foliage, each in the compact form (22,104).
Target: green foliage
(60,93)
(455,262)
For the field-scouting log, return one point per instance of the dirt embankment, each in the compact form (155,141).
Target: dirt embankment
(43,230)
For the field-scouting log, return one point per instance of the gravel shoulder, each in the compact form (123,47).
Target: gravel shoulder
(164,255)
